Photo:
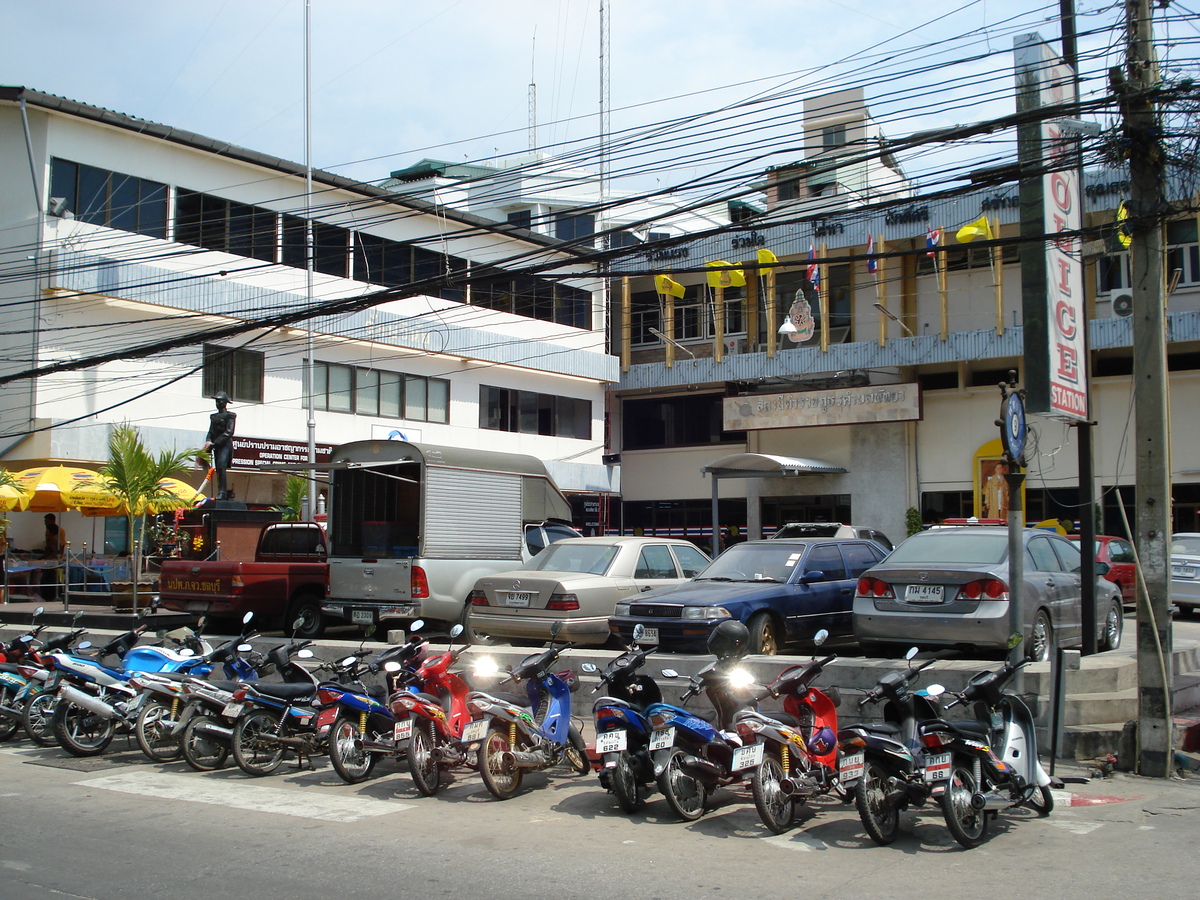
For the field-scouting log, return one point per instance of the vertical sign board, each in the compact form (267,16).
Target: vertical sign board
(1052,287)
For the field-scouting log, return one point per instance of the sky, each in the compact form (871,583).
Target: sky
(394,82)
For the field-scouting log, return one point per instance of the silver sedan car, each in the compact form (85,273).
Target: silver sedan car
(1185,572)
(578,581)
(950,588)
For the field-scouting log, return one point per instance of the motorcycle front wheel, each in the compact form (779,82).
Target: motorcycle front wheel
(256,749)
(576,753)
(684,792)
(880,818)
(1040,800)
(774,807)
(153,731)
(422,758)
(37,718)
(625,785)
(502,780)
(81,732)
(967,824)
(203,752)
(353,764)
(8,726)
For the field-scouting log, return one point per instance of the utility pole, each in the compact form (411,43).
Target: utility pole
(1147,206)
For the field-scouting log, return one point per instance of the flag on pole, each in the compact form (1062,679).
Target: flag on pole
(724,275)
(980,228)
(813,273)
(665,284)
(872,264)
(933,237)
(1123,234)
(766,257)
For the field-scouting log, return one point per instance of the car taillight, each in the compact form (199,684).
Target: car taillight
(477,598)
(328,697)
(237,585)
(990,589)
(419,584)
(562,601)
(874,587)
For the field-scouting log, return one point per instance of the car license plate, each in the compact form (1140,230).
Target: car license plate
(924,593)
(937,768)
(1182,572)
(233,710)
(475,731)
(402,731)
(662,738)
(362,616)
(649,635)
(851,767)
(612,741)
(747,757)
(518,598)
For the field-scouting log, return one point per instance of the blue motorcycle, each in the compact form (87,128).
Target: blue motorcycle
(518,738)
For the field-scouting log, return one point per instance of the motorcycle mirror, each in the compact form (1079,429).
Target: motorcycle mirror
(368,631)
(187,651)
(78,615)
(639,632)
(348,661)
(417,625)
(935,690)
(1014,640)
(200,622)
(26,638)
(555,628)
(912,651)
(247,617)
(820,637)
(39,610)
(297,625)
(670,673)
(244,648)
(456,630)
(161,633)
(83,645)
(391,666)
(304,654)
(590,668)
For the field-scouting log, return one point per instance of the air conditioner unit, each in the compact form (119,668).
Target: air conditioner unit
(734,345)
(1122,305)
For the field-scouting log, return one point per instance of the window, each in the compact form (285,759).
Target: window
(826,558)
(956,257)
(1119,551)
(1112,273)
(655,562)
(522,218)
(215,223)
(575,227)
(788,190)
(378,392)
(526,412)
(859,558)
(833,136)
(644,315)
(1183,251)
(239,373)
(330,246)
(1069,555)
(101,197)
(691,561)
(1040,556)
(675,422)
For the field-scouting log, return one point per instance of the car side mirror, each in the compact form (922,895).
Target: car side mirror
(812,577)
(1103,568)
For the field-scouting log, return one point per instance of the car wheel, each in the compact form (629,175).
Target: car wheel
(1041,637)
(765,635)
(1110,639)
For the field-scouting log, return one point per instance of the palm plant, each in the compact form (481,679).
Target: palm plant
(295,495)
(133,474)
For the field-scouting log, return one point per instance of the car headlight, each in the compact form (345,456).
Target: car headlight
(621,609)
(706,612)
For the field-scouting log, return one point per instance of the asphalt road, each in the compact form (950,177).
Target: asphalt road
(119,826)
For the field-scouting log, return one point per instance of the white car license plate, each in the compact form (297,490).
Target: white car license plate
(402,731)
(924,593)
(233,710)
(851,767)
(475,731)
(662,738)
(362,616)
(937,768)
(747,757)
(518,598)
(1182,572)
(649,635)
(612,741)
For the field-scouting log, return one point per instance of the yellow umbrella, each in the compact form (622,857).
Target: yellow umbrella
(12,498)
(181,495)
(59,488)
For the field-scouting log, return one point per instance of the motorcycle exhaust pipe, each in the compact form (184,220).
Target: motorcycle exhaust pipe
(990,801)
(86,701)
(9,712)
(523,759)
(702,768)
(213,730)
(373,746)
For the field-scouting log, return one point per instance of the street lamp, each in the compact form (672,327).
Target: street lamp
(891,315)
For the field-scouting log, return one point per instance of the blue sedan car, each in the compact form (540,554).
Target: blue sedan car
(783,590)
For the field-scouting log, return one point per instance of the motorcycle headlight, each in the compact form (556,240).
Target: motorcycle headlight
(706,612)
(740,678)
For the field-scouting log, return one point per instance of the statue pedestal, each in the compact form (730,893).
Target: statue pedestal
(211,504)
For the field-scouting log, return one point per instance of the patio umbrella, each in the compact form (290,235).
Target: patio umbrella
(179,495)
(12,498)
(59,488)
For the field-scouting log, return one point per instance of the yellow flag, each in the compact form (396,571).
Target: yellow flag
(1123,234)
(665,284)
(725,275)
(980,228)
(766,257)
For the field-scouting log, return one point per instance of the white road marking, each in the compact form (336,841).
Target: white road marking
(796,841)
(236,794)
(1075,826)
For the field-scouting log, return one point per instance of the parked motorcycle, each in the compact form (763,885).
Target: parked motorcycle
(517,738)
(21,682)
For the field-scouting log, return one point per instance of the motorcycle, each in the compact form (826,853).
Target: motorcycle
(22,682)
(623,731)
(517,738)
(801,756)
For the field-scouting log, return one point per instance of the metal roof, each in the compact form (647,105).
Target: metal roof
(765,465)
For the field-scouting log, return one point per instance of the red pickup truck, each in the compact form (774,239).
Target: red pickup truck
(284,583)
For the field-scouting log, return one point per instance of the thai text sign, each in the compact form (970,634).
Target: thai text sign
(841,406)
(251,453)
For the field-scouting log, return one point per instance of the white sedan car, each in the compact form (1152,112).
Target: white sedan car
(578,581)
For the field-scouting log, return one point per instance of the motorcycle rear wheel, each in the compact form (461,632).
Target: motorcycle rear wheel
(8,727)
(422,758)
(81,732)
(880,818)
(255,748)
(501,780)
(203,752)
(37,718)
(775,808)
(625,786)
(967,824)
(575,754)
(684,792)
(352,764)
(153,731)
(1041,801)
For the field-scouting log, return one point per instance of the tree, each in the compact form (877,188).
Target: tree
(295,495)
(133,474)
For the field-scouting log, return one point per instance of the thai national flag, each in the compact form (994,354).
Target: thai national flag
(933,237)
(814,270)
(872,265)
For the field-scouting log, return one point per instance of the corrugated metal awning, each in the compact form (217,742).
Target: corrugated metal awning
(765,465)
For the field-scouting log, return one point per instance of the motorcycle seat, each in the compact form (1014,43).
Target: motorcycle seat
(227,685)
(965,727)
(282,691)
(887,728)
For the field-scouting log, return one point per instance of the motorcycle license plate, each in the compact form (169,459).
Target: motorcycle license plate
(233,710)
(476,731)
(362,617)
(612,741)
(662,739)
(937,768)
(851,767)
(747,757)
(402,731)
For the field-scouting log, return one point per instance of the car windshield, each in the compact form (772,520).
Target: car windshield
(594,559)
(1186,543)
(956,547)
(754,562)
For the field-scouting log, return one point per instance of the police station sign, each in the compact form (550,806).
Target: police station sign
(841,406)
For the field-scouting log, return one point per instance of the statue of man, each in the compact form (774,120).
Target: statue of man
(220,440)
